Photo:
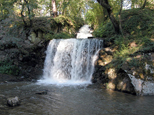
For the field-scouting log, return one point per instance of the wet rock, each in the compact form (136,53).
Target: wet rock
(2,95)
(90,37)
(5,81)
(44,92)
(22,77)
(33,80)
(13,101)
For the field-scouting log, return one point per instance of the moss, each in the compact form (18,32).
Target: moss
(47,25)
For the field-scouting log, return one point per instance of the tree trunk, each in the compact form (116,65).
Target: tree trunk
(120,25)
(144,4)
(22,15)
(54,8)
(50,7)
(105,4)
(29,13)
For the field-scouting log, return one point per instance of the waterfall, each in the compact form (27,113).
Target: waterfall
(70,61)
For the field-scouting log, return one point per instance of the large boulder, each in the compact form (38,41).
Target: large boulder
(141,73)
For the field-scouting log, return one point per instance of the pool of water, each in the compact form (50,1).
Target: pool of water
(72,100)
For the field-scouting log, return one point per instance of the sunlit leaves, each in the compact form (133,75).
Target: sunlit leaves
(5,8)
(95,15)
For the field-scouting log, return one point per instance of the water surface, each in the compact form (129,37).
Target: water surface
(72,100)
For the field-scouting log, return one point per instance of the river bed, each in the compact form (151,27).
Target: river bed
(72,100)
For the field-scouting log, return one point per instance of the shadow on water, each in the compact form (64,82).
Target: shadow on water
(72,100)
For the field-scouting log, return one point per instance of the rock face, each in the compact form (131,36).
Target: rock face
(142,76)
(135,75)
(22,50)
(142,87)
(111,78)
(13,101)
(22,57)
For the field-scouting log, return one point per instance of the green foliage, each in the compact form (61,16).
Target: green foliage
(104,30)
(138,26)
(58,36)
(95,15)
(7,67)
(49,26)
(64,20)
(78,22)
(5,8)
(136,20)
(62,36)
(135,63)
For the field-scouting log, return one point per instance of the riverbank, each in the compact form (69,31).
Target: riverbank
(126,63)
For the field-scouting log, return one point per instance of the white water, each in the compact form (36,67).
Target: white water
(70,61)
(84,32)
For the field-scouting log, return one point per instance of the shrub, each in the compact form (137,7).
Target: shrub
(62,35)
(104,30)
(7,67)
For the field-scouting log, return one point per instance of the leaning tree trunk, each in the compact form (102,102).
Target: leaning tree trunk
(105,4)
(54,8)
(144,4)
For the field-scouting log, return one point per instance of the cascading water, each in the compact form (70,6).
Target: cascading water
(70,61)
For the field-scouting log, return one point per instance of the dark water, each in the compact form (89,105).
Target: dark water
(72,100)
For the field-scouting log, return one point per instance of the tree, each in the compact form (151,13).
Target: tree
(26,3)
(27,13)
(120,25)
(105,4)
(144,4)
(54,8)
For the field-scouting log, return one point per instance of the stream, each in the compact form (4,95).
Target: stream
(72,100)
(67,74)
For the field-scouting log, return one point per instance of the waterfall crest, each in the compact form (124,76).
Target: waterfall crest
(70,61)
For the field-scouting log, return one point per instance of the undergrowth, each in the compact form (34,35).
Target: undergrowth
(61,26)
(7,67)
(138,35)
(62,35)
